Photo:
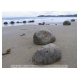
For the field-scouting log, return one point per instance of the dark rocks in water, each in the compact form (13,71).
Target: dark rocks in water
(12,22)
(47,54)
(31,21)
(42,37)
(5,23)
(41,23)
(24,21)
(17,22)
(72,20)
(66,23)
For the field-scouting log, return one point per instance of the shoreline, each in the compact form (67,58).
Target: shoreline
(58,23)
(49,21)
(23,48)
(31,24)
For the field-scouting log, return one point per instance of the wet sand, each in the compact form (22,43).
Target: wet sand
(23,48)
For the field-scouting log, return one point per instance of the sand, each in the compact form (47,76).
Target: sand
(23,48)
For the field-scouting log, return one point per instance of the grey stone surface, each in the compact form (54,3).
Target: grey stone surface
(72,20)
(66,23)
(5,22)
(47,54)
(12,22)
(42,37)
(43,23)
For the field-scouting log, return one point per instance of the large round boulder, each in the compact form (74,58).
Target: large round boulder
(66,23)
(47,54)
(42,37)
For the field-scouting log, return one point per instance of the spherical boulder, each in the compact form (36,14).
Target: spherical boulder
(24,21)
(42,37)
(66,23)
(12,22)
(47,54)
(5,23)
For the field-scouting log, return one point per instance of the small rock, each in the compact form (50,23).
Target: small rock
(7,52)
(41,23)
(31,21)
(22,34)
(17,22)
(47,54)
(72,20)
(24,21)
(29,47)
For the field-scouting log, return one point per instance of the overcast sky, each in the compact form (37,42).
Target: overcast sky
(35,13)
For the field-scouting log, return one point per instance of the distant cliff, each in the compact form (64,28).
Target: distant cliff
(74,15)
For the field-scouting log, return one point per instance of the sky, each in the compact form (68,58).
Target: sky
(34,13)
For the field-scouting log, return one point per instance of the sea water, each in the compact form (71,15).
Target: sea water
(48,20)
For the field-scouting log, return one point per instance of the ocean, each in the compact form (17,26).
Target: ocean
(51,20)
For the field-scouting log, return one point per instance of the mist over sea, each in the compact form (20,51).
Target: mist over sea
(51,20)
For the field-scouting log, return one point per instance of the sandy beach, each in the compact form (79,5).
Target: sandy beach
(23,48)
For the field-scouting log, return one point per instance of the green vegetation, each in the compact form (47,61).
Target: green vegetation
(74,15)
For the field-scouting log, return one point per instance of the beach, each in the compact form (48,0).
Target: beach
(23,48)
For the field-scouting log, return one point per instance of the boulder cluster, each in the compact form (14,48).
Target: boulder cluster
(50,52)
(12,22)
